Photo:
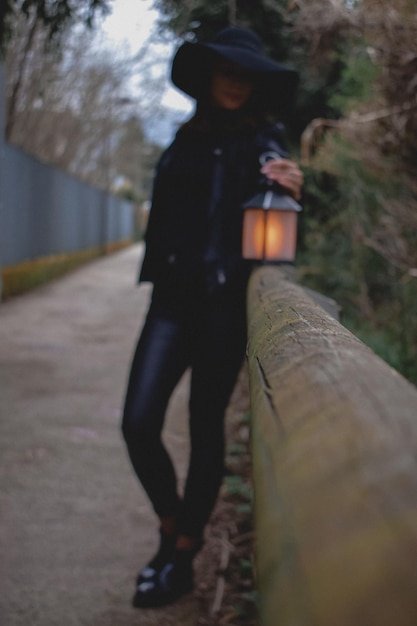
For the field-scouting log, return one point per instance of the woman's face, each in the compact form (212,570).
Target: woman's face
(231,86)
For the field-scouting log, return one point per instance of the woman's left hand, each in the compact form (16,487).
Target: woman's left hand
(286,173)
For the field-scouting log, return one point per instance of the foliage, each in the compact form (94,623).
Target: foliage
(55,16)
(200,19)
(70,107)
(356,84)
(360,226)
(358,246)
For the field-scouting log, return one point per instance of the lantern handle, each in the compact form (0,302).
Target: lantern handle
(269,156)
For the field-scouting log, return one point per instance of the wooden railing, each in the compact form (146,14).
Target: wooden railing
(334,465)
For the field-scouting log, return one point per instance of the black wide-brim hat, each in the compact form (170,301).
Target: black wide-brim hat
(193,63)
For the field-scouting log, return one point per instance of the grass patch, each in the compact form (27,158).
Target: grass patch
(17,279)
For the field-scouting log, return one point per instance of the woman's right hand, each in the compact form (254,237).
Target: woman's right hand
(286,173)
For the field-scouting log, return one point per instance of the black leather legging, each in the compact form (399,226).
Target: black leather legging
(211,340)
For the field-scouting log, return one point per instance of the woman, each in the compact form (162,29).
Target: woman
(197,316)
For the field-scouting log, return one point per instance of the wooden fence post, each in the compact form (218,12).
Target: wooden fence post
(334,440)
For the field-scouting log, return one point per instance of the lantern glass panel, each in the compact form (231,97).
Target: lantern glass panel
(253,234)
(280,235)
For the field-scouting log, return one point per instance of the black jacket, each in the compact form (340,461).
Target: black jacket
(195,223)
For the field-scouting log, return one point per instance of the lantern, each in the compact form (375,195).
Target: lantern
(270,222)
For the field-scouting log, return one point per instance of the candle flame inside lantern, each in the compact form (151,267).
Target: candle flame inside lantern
(274,236)
(268,234)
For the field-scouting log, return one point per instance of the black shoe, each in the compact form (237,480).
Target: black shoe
(161,558)
(173,581)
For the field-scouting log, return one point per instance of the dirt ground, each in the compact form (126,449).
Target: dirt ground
(75,525)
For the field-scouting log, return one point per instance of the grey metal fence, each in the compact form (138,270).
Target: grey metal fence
(47,212)
(44,211)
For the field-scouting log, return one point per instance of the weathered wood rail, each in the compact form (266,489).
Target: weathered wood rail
(335,468)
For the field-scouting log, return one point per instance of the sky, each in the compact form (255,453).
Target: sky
(130,27)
